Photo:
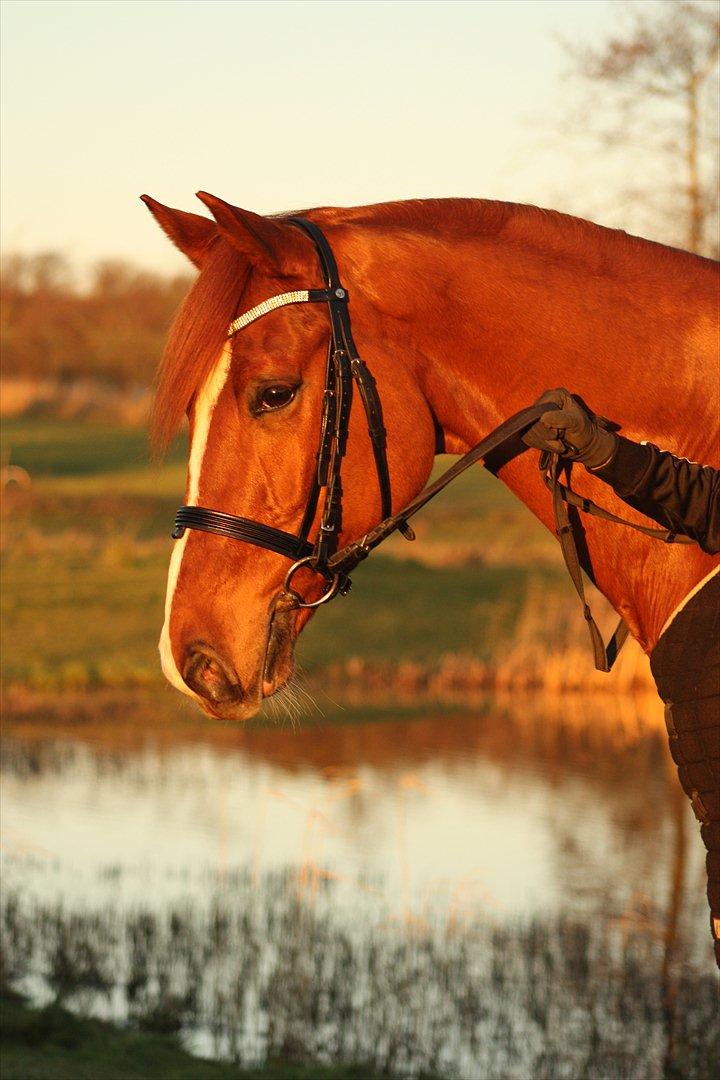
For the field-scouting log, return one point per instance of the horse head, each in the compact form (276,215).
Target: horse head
(254,402)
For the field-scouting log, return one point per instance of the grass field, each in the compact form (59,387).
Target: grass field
(42,1043)
(86,546)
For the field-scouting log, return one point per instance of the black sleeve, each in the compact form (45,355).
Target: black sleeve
(679,494)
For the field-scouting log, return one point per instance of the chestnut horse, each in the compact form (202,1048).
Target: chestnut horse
(465,311)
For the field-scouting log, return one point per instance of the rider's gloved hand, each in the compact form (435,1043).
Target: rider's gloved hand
(568,429)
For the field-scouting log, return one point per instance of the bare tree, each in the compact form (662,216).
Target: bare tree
(660,72)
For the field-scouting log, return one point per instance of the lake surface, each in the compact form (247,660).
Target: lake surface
(408,828)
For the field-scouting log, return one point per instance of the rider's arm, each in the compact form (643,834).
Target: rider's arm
(679,494)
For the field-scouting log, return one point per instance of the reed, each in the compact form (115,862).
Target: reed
(261,975)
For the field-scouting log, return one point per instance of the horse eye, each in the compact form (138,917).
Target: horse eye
(275,397)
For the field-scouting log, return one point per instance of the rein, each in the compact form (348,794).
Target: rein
(345,368)
(563,496)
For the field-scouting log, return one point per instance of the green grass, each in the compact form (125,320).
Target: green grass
(53,1044)
(73,618)
(77,449)
(87,548)
(407,611)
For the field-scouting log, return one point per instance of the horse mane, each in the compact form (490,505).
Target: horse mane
(196,339)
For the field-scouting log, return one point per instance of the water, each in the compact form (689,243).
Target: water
(429,811)
(500,834)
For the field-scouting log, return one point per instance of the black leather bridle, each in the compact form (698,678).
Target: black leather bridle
(345,367)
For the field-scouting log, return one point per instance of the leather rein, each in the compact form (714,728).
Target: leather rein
(344,370)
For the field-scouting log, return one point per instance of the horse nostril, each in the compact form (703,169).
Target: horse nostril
(210,676)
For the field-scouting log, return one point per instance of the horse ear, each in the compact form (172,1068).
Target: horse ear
(270,245)
(191,233)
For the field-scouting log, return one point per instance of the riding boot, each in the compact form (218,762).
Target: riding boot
(686,667)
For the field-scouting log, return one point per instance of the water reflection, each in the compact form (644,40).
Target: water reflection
(458,811)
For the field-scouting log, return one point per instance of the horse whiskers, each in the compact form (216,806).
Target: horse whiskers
(271,705)
(281,705)
(298,683)
(288,705)
(291,702)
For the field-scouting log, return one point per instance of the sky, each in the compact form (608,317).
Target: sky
(275,106)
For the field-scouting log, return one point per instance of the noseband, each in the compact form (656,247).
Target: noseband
(345,368)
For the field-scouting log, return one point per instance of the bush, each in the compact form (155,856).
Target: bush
(114,329)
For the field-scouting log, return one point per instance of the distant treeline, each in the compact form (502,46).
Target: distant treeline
(113,327)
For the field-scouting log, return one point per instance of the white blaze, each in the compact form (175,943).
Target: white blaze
(204,408)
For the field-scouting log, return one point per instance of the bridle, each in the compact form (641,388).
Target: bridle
(345,368)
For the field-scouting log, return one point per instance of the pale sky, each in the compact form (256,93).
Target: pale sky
(276,105)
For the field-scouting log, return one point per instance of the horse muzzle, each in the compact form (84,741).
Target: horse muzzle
(209,675)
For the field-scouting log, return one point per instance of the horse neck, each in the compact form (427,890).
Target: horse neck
(489,322)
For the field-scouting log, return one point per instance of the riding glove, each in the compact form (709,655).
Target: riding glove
(570,430)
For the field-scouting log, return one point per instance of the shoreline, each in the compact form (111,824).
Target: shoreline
(346,723)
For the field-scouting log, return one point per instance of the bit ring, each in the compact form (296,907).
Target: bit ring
(334,583)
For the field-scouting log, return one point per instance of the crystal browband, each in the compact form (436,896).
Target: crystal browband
(299,296)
